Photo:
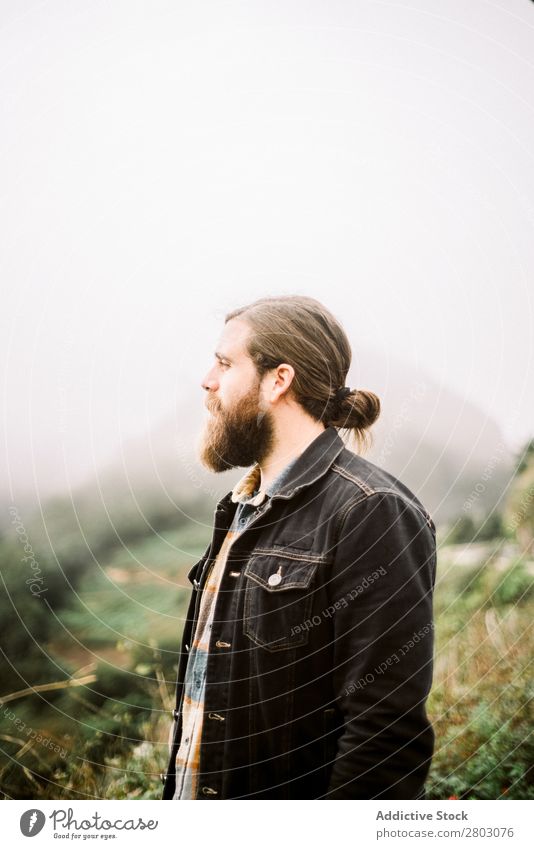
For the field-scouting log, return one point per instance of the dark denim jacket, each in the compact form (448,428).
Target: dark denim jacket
(318,677)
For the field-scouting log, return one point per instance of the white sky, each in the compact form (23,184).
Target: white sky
(163,162)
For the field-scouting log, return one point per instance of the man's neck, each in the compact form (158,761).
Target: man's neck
(289,444)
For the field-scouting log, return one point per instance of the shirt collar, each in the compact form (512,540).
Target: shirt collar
(245,488)
(249,483)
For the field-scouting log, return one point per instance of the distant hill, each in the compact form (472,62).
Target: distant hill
(442,446)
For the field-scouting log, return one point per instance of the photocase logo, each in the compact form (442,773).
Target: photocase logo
(31,822)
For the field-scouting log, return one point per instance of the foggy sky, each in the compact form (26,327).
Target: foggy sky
(164,162)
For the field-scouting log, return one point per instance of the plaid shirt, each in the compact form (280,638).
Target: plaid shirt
(249,496)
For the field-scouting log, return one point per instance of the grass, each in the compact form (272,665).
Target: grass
(130,614)
(481,702)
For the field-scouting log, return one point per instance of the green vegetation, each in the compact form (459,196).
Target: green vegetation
(481,702)
(102,642)
(112,621)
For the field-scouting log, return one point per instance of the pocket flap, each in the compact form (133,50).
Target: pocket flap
(275,573)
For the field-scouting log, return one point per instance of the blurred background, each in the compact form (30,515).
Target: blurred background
(163,163)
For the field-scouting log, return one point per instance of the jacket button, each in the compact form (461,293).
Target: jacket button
(274,580)
(209,791)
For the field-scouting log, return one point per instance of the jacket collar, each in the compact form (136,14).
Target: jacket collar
(248,488)
(308,467)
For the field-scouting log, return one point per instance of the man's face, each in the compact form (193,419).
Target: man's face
(240,430)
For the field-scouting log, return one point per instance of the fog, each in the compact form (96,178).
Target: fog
(165,162)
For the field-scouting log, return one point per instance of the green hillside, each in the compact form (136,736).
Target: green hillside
(89,666)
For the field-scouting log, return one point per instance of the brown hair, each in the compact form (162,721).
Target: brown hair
(300,331)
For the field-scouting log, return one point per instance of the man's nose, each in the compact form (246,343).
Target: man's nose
(210,382)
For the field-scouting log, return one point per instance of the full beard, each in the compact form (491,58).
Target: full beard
(238,437)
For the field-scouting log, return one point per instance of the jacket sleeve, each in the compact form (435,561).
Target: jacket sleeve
(382,580)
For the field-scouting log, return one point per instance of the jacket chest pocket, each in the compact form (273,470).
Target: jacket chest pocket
(278,600)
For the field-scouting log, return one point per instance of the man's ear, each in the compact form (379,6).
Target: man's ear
(279,382)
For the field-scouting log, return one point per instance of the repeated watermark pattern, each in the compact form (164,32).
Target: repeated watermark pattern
(188,467)
(394,658)
(329,611)
(486,475)
(400,419)
(32,734)
(36,580)
(519,515)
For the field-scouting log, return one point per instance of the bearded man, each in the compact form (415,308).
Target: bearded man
(306,656)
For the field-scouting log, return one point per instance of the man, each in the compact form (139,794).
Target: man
(306,656)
